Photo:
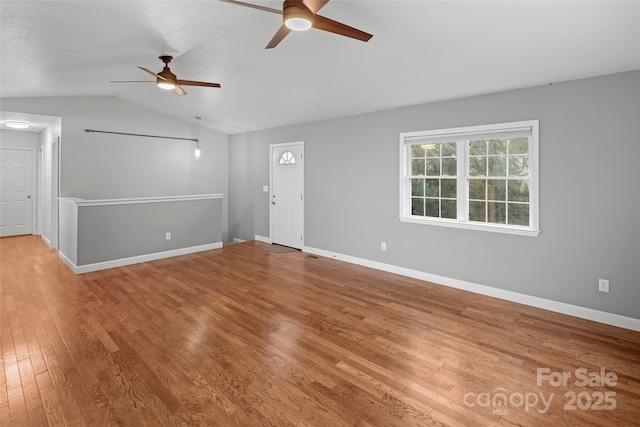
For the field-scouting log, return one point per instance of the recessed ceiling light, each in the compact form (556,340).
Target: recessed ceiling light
(14,124)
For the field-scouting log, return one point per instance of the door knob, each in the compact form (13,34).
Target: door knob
(28,196)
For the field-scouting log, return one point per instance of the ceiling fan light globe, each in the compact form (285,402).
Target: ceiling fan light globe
(166,85)
(297,23)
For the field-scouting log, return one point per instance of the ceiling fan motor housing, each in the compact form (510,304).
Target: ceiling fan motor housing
(294,9)
(167,74)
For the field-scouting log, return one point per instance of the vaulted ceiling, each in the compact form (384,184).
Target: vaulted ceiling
(421,51)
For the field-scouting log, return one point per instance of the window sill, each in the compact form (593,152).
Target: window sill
(519,231)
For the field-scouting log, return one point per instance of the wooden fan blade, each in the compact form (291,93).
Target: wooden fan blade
(152,73)
(194,83)
(277,38)
(326,24)
(179,90)
(315,5)
(132,81)
(254,6)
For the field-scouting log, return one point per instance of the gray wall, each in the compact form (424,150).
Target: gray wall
(124,231)
(589,192)
(102,166)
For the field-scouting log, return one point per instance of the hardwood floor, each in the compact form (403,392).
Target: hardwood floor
(244,337)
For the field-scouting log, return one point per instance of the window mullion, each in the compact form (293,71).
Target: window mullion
(407,173)
(463,192)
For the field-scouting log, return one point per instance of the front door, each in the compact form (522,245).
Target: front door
(16,192)
(287,193)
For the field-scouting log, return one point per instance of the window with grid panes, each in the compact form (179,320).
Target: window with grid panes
(478,177)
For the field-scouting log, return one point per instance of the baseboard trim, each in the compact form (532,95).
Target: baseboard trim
(80,269)
(47,241)
(263,239)
(546,304)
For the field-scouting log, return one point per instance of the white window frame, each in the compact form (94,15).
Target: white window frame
(462,135)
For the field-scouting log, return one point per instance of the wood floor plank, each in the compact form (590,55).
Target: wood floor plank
(50,403)
(17,407)
(29,385)
(245,337)
(37,416)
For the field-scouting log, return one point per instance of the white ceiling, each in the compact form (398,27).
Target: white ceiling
(421,51)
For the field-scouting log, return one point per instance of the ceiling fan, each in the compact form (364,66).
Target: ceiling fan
(165,79)
(300,15)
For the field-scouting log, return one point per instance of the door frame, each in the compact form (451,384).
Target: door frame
(52,179)
(40,191)
(34,185)
(272,148)
(55,191)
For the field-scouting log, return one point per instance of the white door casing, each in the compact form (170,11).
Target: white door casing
(17,193)
(287,194)
(55,191)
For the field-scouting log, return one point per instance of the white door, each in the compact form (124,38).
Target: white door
(287,193)
(16,192)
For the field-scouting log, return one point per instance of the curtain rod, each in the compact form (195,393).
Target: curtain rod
(139,134)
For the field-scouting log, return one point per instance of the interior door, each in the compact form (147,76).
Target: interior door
(287,194)
(16,192)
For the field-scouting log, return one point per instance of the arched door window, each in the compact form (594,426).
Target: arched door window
(287,158)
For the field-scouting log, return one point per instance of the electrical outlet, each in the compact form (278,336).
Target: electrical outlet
(383,246)
(603,285)
(167,236)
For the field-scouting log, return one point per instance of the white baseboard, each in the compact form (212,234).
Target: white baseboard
(263,239)
(80,269)
(47,242)
(546,304)
(236,240)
